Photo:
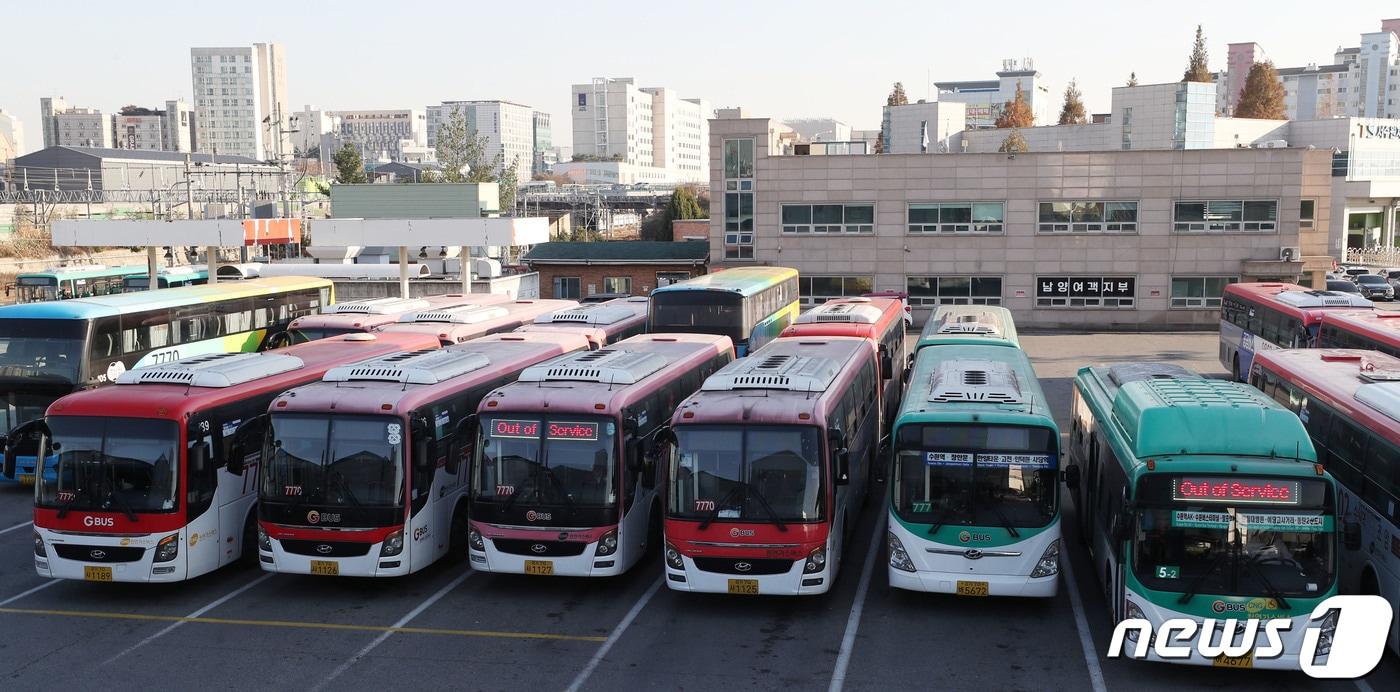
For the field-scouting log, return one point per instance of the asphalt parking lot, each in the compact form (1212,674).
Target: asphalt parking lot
(448,627)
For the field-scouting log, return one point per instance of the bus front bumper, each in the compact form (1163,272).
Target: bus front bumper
(102,553)
(588,564)
(793,582)
(370,564)
(996,584)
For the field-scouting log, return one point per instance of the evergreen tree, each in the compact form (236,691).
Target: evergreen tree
(1262,96)
(1072,113)
(462,153)
(349,166)
(1198,69)
(1014,143)
(1132,79)
(509,180)
(897,97)
(1016,112)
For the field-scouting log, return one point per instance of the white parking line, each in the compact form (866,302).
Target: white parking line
(18,596)
(616,634)
(212,605)
(1086,642)
(848,640)
(401,622)
(16,527)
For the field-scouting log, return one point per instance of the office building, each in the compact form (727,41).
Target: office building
(154,130)
(11,136)
(240,101)
(384,135)
(48,107)
(508,130)
(542,139)
(615,121)
(310,124)
(921,128)
(820,129)
(986,98)
(82,127)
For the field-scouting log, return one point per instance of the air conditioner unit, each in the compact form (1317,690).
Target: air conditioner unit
(1289,254)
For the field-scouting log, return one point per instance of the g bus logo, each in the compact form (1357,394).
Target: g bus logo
(1349,630)
(98,521)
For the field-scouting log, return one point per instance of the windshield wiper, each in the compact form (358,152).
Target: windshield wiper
(534,478)
(763,502)
(1005,523)
(1190,592)
(1251,565)
(714,513)
(747,488)
(942,519)
(347,493)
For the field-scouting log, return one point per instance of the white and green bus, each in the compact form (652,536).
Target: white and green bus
(974,493)
(1202,499)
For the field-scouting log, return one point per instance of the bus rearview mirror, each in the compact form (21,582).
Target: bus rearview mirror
(843,466)
(886,367)
(1071,477)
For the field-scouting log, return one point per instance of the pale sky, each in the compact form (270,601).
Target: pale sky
(774,58)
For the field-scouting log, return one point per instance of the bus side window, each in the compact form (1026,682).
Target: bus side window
(106,342)
(1382,471)
(1346,447)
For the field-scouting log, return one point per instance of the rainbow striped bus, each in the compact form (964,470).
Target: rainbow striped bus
(750,305)
(51,349)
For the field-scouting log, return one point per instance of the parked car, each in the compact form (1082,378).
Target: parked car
(1353,272)
(1375,287)
(1392,275)
(1343,286)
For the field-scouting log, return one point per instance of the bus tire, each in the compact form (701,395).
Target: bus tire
(653,528)
(1370,586)
(457,534)
(1239,376)
(249,554)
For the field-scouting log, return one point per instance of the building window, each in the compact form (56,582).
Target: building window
(828,218)
(815,290)
(957,217)
(617,284)
(738,199)
(1306,213)
(1199,291)
(1088,217)
(953,290)
(668,278)
(1226,216)
(566,287)
(1086,291)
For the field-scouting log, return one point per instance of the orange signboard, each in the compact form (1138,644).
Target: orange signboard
(271,231)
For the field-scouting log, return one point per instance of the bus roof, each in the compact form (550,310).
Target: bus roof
(598,314)
(784,382)
(1363,386)
(606,381)
(402,382)
(372,312)
(1165,410)
(994,383)
(1298,301)
(1382,326)
(863,317)
(969,324)
(462,323)
(86,271)
(172,390)
(743,280)
(122,303)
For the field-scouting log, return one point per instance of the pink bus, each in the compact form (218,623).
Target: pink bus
(454,325)
(603,323)
(566,474)
(367,314)
(366,474)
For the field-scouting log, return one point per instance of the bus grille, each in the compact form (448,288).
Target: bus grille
(98,553)
(326,548)
(730,565)
(517,546)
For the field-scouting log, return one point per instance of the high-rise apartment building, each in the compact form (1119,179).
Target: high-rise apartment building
(383,134)
(82,127)
(650,129)
(240,101)
(508,129)
(48,107)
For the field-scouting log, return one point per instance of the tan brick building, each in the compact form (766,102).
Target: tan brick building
(576,271)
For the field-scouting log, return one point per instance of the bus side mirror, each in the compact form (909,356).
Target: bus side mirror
(247,439)
(1071,477)
(35,429)
(843,466)
(199,457)
(1122,526)
(886,366)
(632,451)
(1351,535)
(664,437)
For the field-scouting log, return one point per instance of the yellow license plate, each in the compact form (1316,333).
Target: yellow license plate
(972,588)
(97,573)
(1245,661)
(329,568)
(26,479)
(544,568)
(748,587)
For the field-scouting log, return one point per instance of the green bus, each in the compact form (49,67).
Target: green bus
(78,281)
(974,492)
(969,324)
(1201,499)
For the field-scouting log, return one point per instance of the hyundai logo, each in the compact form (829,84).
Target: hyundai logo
(97,554)
(324,549)
(538,548)
(972,554)
(742,566)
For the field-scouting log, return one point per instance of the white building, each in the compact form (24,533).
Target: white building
(614,120)
(48,107)
(986,98)
(508,128)
(154,130)
(310,123)
(240,101)
(11,136)
(384,134)
(820,129)
(82,127)
(923,127)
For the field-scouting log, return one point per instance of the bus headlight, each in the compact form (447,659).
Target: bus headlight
(898,558)
(474,540)
(168,548)
(1049,564)
(39,546)
(815,561)
(673,557)
(393,544)
(607,545)
(264,543)
(1133,612)
(1325,633)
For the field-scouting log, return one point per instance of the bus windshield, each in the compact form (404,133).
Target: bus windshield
(340,461)
(767,473)
(1238,549)
(110,465)
(558,461)
(976,475)
(699,312)
(49,350)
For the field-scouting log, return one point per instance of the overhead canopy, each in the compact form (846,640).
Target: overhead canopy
(208,232)
(412,232)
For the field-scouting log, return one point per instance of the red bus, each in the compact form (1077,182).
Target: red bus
(1376,330)
(770,468)
(603,323)
(565,480)
(462,323)
(366,476)
(1257,317)
(150,480)
(365,315)
(1349,400)
(879,320)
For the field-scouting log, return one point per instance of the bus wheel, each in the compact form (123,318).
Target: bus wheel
(249,555)
(1369,585)
(653,528)
(457,535)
